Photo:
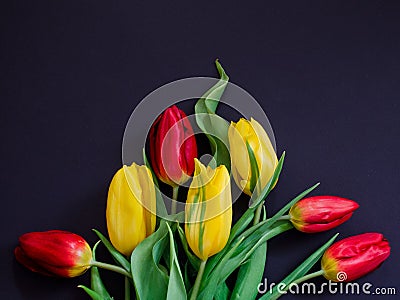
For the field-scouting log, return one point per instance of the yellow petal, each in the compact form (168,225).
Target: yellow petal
(125,218)
(208,211)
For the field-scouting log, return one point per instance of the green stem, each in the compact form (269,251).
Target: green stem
(257,214)
(110,268)
(284,217)
(175,190)
(196,286)
(127,289)
(308,277)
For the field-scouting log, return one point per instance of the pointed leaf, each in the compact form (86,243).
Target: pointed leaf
(254,170)
(118,257)
(91,293)
(176,285)
(256,198)
(95,280)
(215,127)
(284,209)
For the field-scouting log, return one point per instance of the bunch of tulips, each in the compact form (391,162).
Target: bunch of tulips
(193,253)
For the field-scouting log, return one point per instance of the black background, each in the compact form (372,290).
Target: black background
(71,72)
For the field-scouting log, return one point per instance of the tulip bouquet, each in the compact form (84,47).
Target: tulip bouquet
(199,253)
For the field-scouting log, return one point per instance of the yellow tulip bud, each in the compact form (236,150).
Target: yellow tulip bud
(208,212)
(130,207)
(251,134)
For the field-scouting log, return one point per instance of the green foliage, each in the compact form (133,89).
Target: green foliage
(213,126)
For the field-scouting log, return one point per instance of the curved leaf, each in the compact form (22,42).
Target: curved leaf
(215,127)
(91,293)
(95,281)
(118,257)
(151,282)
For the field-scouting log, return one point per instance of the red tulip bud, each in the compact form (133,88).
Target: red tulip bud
(355,256)
(320,213)
(54,253)
(172,147)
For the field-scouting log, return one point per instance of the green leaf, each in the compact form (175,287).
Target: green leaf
(215,127)
(255,173)
(251,272)
(193,259)
(160,205)
(190,273)
(284,209)
(91,293)
(151,282)
(118,257)
(240,251)
(299,272)
(250,275)
(95,280)
(256,198)
(176,285)
(223,292)
(239,229)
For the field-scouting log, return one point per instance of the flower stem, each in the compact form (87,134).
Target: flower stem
(257,214)
(284,217)
(110,268)
(308,276)
(175,190)
(127,289)
(196,286)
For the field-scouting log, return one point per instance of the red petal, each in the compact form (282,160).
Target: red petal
(313,228)
(365,261)
(55,247)
(325,209)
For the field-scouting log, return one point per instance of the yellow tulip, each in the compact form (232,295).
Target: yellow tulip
(250,133)
(131,207)
(208,212)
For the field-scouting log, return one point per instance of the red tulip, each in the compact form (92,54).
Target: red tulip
(320,213)
(355,256)
(54,253)
(172,155)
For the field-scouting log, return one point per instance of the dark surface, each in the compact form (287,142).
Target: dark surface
(71,72)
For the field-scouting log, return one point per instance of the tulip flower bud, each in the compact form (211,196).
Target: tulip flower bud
(354,257)
(208,210)
(321,213)
(131,207)
(172,147)
(242,135)
(54,253)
